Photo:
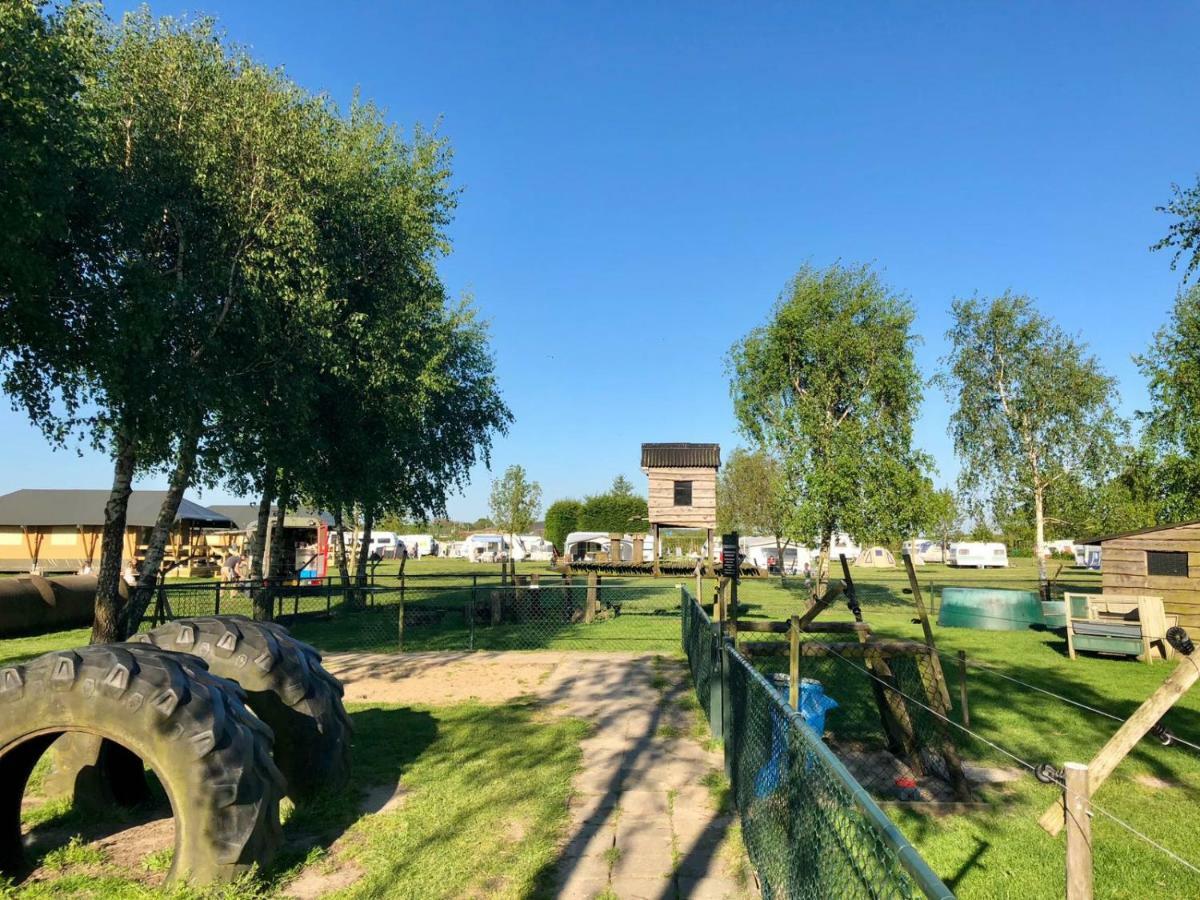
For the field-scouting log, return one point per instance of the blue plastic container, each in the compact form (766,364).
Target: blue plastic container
(814,704)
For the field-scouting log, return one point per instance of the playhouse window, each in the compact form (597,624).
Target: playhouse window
(1167,562)
(683,493)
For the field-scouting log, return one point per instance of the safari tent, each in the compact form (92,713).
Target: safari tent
(876,558)
(45,531)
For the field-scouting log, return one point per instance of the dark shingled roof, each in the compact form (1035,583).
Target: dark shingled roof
(71,507)
(671,456)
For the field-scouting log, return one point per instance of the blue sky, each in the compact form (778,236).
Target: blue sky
(640,180)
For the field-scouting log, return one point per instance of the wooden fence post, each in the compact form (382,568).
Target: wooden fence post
(400,627)
(1079,832)
(593,591)
(962,688)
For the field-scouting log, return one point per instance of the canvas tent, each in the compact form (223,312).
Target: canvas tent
(876,558)
(59,531)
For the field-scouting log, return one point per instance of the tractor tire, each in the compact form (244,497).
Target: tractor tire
(285,685)
(211,754)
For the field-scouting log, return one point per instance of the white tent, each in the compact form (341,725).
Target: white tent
(761,550)
(876,558)
(418,543)
(583,546)
(532,547)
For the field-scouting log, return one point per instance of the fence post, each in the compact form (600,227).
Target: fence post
(794,664)
(217,601)
(400,627)
(962,688)
(471,621)
(1079,832)
(593,581)
(328,595)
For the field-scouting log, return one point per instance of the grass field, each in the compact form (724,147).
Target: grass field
(994,851)
(459,830)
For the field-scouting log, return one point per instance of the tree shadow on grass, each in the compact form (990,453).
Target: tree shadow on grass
(386,742)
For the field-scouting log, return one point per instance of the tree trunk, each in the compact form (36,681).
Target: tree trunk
(1039,541)
(258,548)
(823,564)
(106,628)
(278,567)
(181,477)
(364,549)
(339,550)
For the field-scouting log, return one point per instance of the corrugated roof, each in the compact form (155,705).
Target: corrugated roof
(1153,528)
(82,507)
(658,456)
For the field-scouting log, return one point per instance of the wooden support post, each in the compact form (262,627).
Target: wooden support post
(593,590)
(1076,797)
(835,591)
(919,600)
(400,626)
(897,723)
(964,709)
(497,598)
(1127,736)
(711,555)
(614,548)
(700,588)
(794,664)
(949,752)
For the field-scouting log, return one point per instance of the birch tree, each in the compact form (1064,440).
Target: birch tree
(830,387)
(1031,407)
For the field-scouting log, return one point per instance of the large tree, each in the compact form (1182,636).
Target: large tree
(1171,426)
(753,497)
(612,513)
(830,387)
(515,502)
(1032,407)
(1183,236)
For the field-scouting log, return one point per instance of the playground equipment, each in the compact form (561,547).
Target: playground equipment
(229,713)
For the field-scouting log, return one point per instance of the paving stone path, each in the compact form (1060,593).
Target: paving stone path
(643,821)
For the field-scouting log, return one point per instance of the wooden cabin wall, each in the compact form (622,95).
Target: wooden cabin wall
(1123,570)
(703,511)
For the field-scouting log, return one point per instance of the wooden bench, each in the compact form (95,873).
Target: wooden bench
(1126,625)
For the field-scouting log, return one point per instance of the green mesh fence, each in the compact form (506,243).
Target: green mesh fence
(811,830)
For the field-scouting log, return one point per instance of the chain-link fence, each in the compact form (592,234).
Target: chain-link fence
(811,830)
(464,613)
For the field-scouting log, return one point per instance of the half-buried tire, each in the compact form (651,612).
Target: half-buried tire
(285,685)
(211,754)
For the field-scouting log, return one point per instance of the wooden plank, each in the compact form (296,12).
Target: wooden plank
(1133,730)
(919,600)
(1180,542)
(794,662)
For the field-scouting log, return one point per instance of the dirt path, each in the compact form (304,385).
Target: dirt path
(643,820)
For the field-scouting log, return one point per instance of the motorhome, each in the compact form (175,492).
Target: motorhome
(979,555)
(1087,556)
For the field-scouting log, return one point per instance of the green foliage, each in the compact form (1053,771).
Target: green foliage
(515,501)
(1032,408)
(611,512)
(1171,428)
(622,486)
(1184,234)
(753,497)
(562,518)
(830,387)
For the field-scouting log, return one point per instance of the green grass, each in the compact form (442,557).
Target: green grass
(994,852)
(486,803)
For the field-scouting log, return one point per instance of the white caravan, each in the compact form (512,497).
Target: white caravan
(1087,556)
(486,548)
(980,555)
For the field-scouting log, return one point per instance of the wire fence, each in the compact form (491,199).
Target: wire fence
(810,829)
(415,614)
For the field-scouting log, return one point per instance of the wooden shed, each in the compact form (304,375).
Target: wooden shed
(1163,561)
(59,531)
(683,488)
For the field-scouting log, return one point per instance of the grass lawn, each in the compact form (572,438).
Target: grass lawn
(996,851)
(484,802)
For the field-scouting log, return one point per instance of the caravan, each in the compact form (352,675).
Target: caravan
(978,554)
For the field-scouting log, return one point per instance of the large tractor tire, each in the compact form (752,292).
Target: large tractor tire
(211,754)
(285,685)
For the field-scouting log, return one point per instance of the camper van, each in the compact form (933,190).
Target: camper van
(1087,556)
(978,555)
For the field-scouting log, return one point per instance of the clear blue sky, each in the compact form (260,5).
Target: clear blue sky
(667,166)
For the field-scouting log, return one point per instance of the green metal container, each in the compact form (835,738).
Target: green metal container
(989,610)
(1054,613)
